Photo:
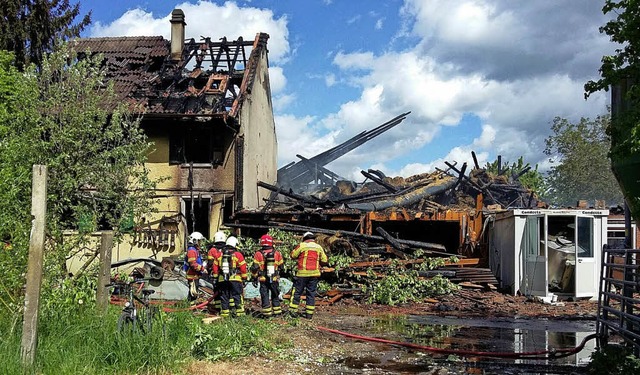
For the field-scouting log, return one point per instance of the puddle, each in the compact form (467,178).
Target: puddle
(509,335)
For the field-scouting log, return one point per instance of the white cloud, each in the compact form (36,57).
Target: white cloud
(277,80)
(282,102)
(298,136)
(330,79)
(354,19)
(231,21)
(379,24)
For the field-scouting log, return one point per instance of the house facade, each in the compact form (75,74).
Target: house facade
(206,107)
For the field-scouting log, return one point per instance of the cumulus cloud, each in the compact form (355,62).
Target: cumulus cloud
(231,21)
(511,67)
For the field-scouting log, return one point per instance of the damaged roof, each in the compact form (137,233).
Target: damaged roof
(211,78)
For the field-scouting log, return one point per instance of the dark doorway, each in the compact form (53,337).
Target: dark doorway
(196,211)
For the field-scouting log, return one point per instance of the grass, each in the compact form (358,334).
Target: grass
(80,341)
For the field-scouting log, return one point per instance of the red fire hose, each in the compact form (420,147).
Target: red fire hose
(542,354)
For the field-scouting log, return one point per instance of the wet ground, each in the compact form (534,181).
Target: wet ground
(473,322)
(504,336)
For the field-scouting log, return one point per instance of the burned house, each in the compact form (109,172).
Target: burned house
(206,106)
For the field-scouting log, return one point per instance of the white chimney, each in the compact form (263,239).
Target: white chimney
(177,34)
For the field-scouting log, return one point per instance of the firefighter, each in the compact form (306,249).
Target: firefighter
(309,256)
(192,264)
(214,253)
(266,269)
(231,272)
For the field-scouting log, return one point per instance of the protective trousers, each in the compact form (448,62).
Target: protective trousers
(231,291)
(270,304)
(308,286)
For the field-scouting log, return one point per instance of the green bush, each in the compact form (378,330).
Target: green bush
(614,359)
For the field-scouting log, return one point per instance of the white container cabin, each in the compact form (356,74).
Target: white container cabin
(548,252)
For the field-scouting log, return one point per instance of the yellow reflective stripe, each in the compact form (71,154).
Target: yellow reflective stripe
(308,273)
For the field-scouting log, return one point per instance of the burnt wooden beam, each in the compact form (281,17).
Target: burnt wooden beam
(290,194)
(426,246)
(326,175)
(500,165)
(397,245)
(466,178)
(475,160)
(525,170)
(463,169)
(380,182)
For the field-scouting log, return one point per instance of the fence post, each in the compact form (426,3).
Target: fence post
(104,277)
(34,267)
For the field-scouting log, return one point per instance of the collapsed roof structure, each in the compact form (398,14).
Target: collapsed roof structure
(440,213)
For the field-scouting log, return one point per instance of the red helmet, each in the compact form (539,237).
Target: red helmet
(266,240)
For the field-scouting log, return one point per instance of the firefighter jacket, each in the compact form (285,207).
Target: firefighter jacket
(193,262)
(214,253)
(237,267)
(262,269)
(309,255)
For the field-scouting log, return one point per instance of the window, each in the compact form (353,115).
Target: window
(197,144)
(585,237)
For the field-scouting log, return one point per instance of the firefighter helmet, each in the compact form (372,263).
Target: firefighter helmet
(232,241)
(219,237)
(266,241)
(308,236)
(195,237)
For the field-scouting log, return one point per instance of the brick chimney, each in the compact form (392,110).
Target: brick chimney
(177,34)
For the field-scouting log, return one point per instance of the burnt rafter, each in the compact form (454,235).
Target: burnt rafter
(210,78)
(298,174)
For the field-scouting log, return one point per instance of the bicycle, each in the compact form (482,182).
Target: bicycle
(137,314)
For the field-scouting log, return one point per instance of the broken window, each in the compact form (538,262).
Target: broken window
(196,144)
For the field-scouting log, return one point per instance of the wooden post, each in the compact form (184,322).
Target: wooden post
(104,277)
(34,267)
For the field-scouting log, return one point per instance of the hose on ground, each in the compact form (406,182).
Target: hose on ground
(542,354)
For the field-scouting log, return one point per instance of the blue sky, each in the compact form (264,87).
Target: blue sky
(477,75)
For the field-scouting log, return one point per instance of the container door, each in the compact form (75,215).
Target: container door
(533,250)
(586,275)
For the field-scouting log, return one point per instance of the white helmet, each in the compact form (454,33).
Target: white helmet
(220,237)
(232,241)
(308,236)
(195,237)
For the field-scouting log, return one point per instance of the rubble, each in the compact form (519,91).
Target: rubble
(383,219)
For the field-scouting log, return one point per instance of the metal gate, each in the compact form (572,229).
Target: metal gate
(619,297)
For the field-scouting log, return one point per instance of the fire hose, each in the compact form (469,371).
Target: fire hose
(542,354)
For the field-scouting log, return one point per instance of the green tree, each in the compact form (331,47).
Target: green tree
(17,101)
(622,69)
(62,115)
(31,28)
(580,166)
(531,179)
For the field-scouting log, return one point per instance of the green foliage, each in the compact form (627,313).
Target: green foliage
(339,261)
(531,179)
(31,28)
(285,243)
(580,166)
(622,70)
(613,359)
(86,342)
(402,285)
(61,115)
(234,338)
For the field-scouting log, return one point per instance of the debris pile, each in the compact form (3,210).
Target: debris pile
(390,219)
